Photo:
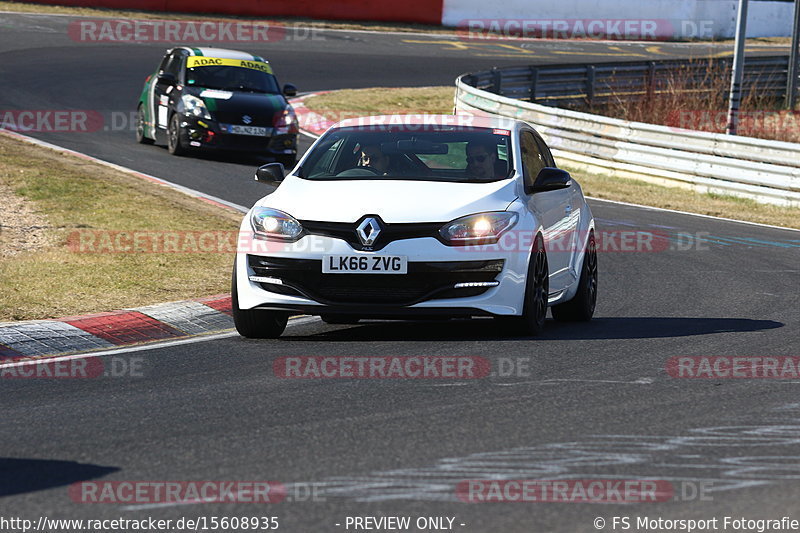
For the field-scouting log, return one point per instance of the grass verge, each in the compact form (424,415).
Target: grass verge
(358,102)
(69,197)
(346,103)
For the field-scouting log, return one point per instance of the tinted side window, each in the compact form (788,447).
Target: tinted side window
(174,65)
(532,160)
(545,151)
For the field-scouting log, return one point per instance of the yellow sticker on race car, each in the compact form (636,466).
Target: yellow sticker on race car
(199,61)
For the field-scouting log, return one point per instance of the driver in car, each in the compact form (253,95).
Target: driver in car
(373,157)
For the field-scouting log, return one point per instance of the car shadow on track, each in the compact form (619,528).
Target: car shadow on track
(486,329)
(18,476)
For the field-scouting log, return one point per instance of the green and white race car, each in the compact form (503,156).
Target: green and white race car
(210,98)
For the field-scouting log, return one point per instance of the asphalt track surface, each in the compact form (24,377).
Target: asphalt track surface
(588,401)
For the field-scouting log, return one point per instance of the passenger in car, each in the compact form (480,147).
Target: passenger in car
(483,163)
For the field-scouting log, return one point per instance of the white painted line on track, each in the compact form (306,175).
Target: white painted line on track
(144,347)
(307,134)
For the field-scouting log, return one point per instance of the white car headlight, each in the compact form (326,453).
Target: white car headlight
(195,106)
(273,224)
(481,228)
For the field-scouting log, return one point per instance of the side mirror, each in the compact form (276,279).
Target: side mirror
(550,179)
(166,79)
(289,90)
(270,173)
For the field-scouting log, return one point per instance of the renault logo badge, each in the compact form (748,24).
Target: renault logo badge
(368,231)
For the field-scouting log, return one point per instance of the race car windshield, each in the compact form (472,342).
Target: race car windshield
(413,152)
(230,78)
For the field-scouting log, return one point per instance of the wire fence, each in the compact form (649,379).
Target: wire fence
(589,85)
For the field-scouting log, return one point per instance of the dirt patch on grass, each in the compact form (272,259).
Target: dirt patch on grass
(22,229)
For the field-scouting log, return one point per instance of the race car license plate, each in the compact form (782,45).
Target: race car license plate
(364,264)
(236,129)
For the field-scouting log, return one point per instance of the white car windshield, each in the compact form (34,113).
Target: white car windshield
(411,152)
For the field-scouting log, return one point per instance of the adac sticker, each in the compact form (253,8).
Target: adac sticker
(197,61)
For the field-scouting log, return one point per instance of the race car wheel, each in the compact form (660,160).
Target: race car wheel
(175,137)
(537,287)
(339,319)
(256,323)
(140,137)
(581,307)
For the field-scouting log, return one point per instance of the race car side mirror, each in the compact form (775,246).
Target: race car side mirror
(550,179)
(270,173)
(166,79)
(289,90)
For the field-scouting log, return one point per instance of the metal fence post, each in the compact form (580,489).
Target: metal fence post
(535,81)
(497,80)
(590,74)
(735,98)
(651,79)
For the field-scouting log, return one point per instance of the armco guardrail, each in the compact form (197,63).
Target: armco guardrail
(767,171)
(580,85)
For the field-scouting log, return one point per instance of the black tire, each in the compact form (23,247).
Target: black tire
(140,137)
(537,287)
(339,319)
(175,136)
(581,307)
(288,161)
(256,323)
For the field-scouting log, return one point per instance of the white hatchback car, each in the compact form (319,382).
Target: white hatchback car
(398,217)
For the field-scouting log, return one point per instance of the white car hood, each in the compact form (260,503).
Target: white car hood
(392,200)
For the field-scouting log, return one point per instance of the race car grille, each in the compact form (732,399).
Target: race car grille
(389,232)
(424,281)
(255,119)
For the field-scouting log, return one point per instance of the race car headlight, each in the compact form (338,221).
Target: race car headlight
(195,106)
(270,223)
(481,228)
